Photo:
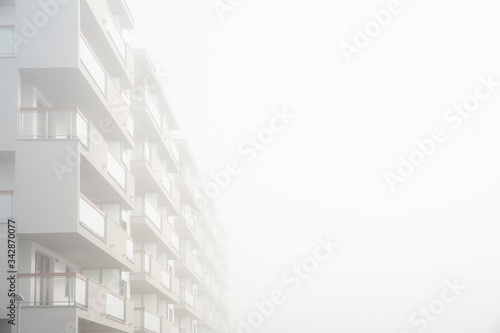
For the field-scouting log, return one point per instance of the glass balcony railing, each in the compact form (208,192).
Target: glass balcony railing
(146,321)
(126,158)
(150,103)
(92,218)
(166,279)
(7,40)
(116,36)
(175,153)
(166,182)
(130,124)
(52,123)
(68,289)
(142,152)
(5,205)
(54,289)
(175,242)
(197,268)
(115,306)
(116,170)
(144,207)
(93,65)
(142,262)
(187,214)
(187,297)
(130,249)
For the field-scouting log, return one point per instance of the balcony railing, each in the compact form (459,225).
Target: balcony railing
(116,36)
(166,279)
(53,123)
(151,104)
(116,170)
(93,65)
(175,241)
(130,249)
(92,218)
(142,151)
(175,153)
(5,205)
(187,297)
(56,289)
(144,207)
(166,182)
(145,320)
(197,268)
(187,214)
(7,40)
(69,289)
(115,306)
(142,262)
(130,124)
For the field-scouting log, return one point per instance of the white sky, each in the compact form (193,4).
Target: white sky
(324,174)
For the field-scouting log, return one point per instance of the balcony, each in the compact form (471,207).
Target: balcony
(71,297)
(111,97)
(186,182)
(148,225)
(146,321)
(155,127)
(208,314)
(97,162)
(151,176)
(207,253)
(53,123)
(189,266)
(187,228)
(207,288)
(99,25)
(7,41)
(109,237)
(190,305)
(150,276)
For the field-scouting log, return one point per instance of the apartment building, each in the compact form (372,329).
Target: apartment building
(109,229)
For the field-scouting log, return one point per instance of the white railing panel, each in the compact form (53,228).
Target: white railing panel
(92,218)
(115,306)
(93,66)
(116,170)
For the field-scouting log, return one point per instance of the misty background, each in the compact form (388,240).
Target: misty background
(324,173)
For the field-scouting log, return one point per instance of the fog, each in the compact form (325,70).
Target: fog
(372,126)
